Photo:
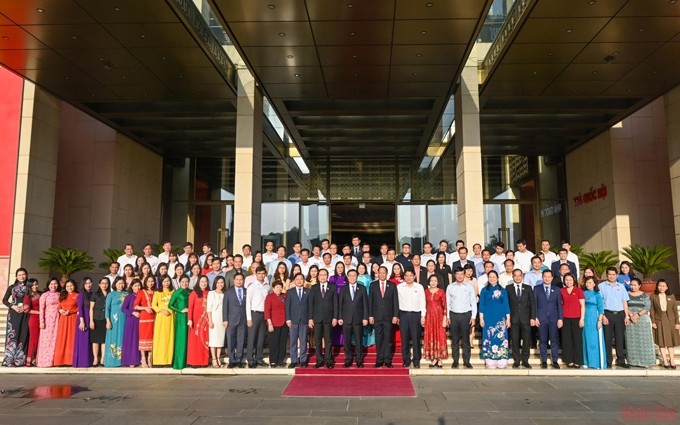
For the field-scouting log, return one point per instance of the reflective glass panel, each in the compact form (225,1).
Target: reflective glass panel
(411,226)
(281,223)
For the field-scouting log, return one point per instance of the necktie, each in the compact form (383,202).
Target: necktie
(240,296)
(518,291)
(547,292)
(300,294)
(382,289)
(351,291)
(323,291)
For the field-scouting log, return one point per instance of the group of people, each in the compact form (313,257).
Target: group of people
(182,310)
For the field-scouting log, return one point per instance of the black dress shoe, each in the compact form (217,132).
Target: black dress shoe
(389,364)
(252,365)
(544,365)
(318,365)
(555,365)
(241,365)
(406,364)
(231,365)
(379,364)
(360,364)
(416,365)
(347,364)
(526,365)
(454,365)
(330,365)
(467,365)
(515,365)
(624,365)
(262,363)
(292,366)
(273,365)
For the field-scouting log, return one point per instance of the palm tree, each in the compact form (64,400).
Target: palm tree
(111,254)
(649,260)
(599,261)
(66,261)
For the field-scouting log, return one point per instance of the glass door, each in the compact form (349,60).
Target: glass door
(508,222)
(214,223)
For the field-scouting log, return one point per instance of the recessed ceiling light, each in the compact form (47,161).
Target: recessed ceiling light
(594,72)
(428,5)
(146,94)
(124,77)
(352,33)
(629,90)
(356,91)
(673,1)
(615,53)
(350,5)
(354,56)
(117,9)
(101,59)
(419,55)
(356,75)
(654,71)
(290,56)
(67,77)
(181,76)
(641,30)
(142,36)
(40,10)
(282,34)
(591,2)
(423,32)
(535,73)
(163,58)
(550,53)
(568,30)
(271,6)
(414,73)
(297,75)
(75,37)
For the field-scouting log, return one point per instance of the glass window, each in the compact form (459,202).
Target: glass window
(281,223)
(411,226)
(442,223)
(314,224)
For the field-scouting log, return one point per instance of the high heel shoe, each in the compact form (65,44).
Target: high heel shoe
(666,365)
(672,366)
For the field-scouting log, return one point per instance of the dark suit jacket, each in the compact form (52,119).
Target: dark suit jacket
(548,310)
(421,276)
(323,309)
(232,312)
(353,311)
(404,261)
(458,263)
(383,309)
(297,310)
(522,311)
(555,267)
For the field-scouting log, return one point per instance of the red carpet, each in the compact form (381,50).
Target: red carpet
(351,382)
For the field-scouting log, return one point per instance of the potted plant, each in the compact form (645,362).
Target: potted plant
(599,261)
(66,261)
(649,261)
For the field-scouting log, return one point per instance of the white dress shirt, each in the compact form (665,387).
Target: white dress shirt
(124,260)
(523,260)
(255,296)
(164,257)
(153,262)
(247,261)
(412,298)
(550,257)
(574,259)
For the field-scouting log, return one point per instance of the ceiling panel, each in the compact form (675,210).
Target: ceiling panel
(282,56)
(272,33)
(639,29)
(290,75)
(350,10)
(577,88)
(352,33)
(441,31)
(428,54)
(511,88)
(650,8)
(647,72)
(424,73)
(576,9)
(13,37)
(151,35)
(440,9)
(336,74)
(295,91)
(597,71)
(116,75)
(527,72)
(669,52)
(45,12)
(5,20)
(560,30)
(89,58)
(620,52)
(263,10)
(354,55)
(543,52)
(127,11)
(73,36)
(171,58)
(357,90)
(180,76)
(420,89)
(142,92)
(32,59)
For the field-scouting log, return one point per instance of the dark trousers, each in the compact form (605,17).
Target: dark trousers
(383,341)
(460,331)
(411,332)
(323,332)
(236,338)
(349,329)
(277,345)
(520,334)
(615,331)
(256,335)
(548,332)
(298,340)
(572,342)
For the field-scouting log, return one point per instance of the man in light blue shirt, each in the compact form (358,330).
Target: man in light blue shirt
(615,317)
(534,276)
(461,301)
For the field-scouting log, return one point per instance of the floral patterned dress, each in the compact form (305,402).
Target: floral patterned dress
(16,341)
(493,303)
(113,348)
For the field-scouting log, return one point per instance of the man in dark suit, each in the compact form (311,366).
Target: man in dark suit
(419,270)
(353,316)
(383,308)
(522,313)
(297,319)
(356,250)
(323,313)
(548,318)
(555,266)
(238,268)
(234,315)
(463,253)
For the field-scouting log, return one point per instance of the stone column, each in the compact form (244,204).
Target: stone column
(36,180)
(672,108)
(248,174)
(469,157)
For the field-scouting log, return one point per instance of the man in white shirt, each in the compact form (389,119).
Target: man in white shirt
(389,263)
(412,312)
(325,246)
(188,248)
(247,257)
(207,249)
(255,296)
(164,257)
(443,247)
(249,280)
(506,277)
(523,256)
(327,264)
(455,255)
(477,255)
(335,257)
(150,258)
(498,257)
(128,258)
(348,260)
(113,272)
(427,254)
(268,255)
(548,256)
(483,279)
(571,256)
(316,256)
(305,262)
(280,258)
